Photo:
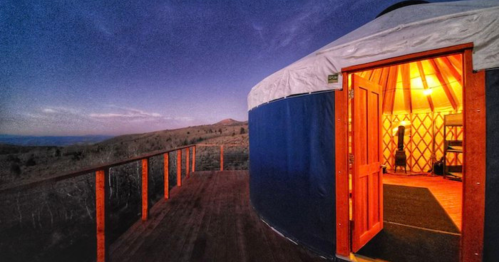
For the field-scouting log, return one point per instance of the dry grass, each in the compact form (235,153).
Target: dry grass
(27,163)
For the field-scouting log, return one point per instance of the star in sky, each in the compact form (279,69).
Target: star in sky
(109,68)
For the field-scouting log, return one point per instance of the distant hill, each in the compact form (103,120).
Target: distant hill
(229,122)
(51,140)
(35,157)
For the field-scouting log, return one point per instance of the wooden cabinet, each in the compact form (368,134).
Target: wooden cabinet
(452,147)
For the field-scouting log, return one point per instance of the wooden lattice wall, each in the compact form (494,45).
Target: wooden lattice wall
(423,140)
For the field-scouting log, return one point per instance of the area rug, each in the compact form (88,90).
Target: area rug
(415,206)
(416,228)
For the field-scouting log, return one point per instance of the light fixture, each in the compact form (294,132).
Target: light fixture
(427,91)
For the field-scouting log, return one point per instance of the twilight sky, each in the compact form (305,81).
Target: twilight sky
(116,67)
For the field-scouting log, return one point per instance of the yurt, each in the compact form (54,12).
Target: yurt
(384,143)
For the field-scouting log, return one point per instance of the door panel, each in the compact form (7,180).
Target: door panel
(367,177)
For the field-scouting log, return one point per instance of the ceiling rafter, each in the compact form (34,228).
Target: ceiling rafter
(456,60)
(451,69)
(382,82)
(376,75)
(445,85)
(406,85)
(425,84)
(391,87)
(383,79)
(368,74)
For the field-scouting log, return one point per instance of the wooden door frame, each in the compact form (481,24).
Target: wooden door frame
(474,115)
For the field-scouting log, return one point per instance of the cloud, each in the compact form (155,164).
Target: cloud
(127,114)
(258,28)
(297,29)
(48,110)
(51,120)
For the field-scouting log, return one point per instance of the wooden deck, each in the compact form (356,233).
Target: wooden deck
(209,218)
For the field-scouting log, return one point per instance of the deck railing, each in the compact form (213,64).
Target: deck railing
(51,218)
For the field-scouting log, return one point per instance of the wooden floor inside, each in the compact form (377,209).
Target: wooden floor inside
(209,218)
(447,192)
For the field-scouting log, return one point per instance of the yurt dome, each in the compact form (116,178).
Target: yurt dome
(400,5)
(410,29)
(293,114)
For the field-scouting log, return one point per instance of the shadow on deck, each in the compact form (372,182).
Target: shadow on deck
(209,218)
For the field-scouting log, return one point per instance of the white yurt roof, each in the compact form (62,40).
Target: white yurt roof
(407,30)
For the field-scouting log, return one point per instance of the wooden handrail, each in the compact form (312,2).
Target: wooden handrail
(29,184)
(226,145)
(102,172)
(145,189)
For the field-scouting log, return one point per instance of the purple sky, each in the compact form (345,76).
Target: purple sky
(117,67)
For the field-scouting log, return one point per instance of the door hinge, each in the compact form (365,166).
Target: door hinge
(350,94)
(351,159)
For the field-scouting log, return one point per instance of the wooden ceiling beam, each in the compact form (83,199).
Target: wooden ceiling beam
(384,77)
(425,84)
(447,89)
(456,60)
(382,82)
(391,87)
(368,74)
(376,75)
(451,69)
(406,85)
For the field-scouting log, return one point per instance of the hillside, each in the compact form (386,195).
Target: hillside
(33,162)
(51,140)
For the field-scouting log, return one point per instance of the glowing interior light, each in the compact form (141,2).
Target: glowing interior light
(403,123)
(427,91)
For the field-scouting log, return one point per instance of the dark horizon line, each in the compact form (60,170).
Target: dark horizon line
(4,135)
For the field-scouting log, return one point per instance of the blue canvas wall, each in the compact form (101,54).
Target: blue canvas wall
(292,182)
(490,245)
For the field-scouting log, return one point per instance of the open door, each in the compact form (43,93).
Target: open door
(367,190)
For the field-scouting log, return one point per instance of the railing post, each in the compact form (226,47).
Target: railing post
(145,195)
(166,175)
(222,158)
(101,216)
(179,167)
(187,156)
(194,159)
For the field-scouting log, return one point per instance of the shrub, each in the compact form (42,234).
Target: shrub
(242,131)
(13,158)
(15,169)
(77,156)
(31,161)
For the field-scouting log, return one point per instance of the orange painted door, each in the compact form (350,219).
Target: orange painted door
(367,186)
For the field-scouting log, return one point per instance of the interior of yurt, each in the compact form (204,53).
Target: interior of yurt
(421,132)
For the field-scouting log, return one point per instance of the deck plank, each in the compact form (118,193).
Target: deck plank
(209,218)
(170,211)
(173,227)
